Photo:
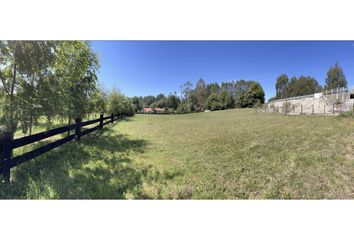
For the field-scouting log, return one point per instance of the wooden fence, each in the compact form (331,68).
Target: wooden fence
(7,145)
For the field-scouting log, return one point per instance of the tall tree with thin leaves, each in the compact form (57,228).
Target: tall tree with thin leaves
(335,78)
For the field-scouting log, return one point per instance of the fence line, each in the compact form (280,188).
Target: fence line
(326,92)
(7,144)
(330,102)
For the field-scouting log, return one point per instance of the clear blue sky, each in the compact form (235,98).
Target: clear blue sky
(140,68)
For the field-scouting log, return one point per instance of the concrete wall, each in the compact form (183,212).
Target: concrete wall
(331,102)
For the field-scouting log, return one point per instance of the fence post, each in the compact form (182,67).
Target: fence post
(286,105)
(5,155)
(340,108)
(333,109)
(324,110)
(68,125)
(78,129)
(112,117)
(101,121)
(301,109)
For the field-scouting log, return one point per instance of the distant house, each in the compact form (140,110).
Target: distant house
(153,110)
(147,110)
(159,110)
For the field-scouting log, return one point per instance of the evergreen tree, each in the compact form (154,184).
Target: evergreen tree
(212,88)
(214,102)
(200,92)
(335,78)
(253,97)
(172,101)
(281,86)
(137,103)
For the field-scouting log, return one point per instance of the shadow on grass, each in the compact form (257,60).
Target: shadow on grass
(125,119)
(97,168)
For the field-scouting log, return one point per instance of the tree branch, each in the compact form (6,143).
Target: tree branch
(13,82)
(3,83)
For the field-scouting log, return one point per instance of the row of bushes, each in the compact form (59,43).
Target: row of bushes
(212,96)
(117,103)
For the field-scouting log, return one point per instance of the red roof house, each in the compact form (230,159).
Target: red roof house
(153,110)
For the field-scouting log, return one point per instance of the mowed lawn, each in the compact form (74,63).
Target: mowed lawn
(231,154)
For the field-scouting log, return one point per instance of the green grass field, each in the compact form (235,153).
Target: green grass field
(232,154)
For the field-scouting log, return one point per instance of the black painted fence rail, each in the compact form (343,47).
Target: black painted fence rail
(7,145)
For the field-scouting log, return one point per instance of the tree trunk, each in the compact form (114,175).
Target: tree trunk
(31,102)
(286,102)
(12,124)
(69,124)
(30,127)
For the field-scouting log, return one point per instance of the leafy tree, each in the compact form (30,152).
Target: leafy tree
(119,104)
(23,66)
(335,78)
(226,100)
(201,95)
(281,86)
(49,97)
(240,87)
(253,97)
(193,101)
(75,70)
(51,78)
(210,96)
(29,108)
(98,102)
(236,88)
(147,101)
(172,101)
(137,102)
(257,92)
(212,88)
(214,102)
(35,66)
(188,98)
(130,111)
(115,102)
(160,97)
(186,89)
(293,87)
(272,99)
(160,101)
(303,85)
(184,107)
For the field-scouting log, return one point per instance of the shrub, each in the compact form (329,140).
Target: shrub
(347,114)
(253,97)
(170,111)
(214,102)
(184,107)
(120,104)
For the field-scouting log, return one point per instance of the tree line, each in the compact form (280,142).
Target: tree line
(52,79)
(306,85)
(212,96)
